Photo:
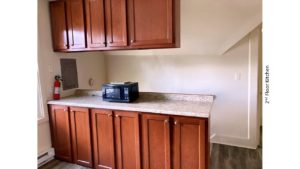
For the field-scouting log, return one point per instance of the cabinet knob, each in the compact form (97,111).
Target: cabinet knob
(166,121)
(117,115)
(175,122)
(66,45)
(131,41)
(65,109)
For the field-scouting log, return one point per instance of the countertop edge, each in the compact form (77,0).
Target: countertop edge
(142,110)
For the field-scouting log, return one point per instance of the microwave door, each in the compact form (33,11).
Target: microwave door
(113,93)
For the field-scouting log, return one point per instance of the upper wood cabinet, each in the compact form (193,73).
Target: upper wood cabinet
(61,132)
(81,136)
(151,23)
(95,24)
(68,25)
(88,25)
(59,25)
(76,25)
(116,26)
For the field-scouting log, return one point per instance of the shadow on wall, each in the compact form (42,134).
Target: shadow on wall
(231,77)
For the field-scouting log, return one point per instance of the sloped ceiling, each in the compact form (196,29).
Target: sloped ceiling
(210,27)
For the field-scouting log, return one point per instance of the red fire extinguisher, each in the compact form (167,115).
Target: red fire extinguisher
(56,94)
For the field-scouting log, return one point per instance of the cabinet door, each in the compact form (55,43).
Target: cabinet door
(127,140)
(95,23)
(76,28)
(116,23)
(61,133)
(190,143)
(103,139)
(59,25)
(151,22)
(81,137)
(156,141)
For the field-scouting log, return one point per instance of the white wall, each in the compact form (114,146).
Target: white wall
(89,65)
(233,118)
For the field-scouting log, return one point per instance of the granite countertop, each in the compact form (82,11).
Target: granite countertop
(160,103)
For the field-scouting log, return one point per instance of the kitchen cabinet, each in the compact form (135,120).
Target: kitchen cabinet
(117,139)
(106,24)
(103,139)
(190,143)
(125,127)
(151,23)
(61,132)
(68,25)
(95,24)
(116,25)
(127,140)
(156,141)
(89,25)
(59,25)
(81,136)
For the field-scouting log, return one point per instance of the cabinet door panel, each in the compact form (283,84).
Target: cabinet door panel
(103,139)
(59,25)
(156,142)
(81,137)
(61,134)
(116,22)
(190,143)
(127,140)
(95,23)
(76,28)
(150,22)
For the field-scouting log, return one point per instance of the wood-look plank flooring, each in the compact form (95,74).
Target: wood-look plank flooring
(222,157)
(229,157)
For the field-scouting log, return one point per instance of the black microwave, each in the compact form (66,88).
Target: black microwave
(120,92)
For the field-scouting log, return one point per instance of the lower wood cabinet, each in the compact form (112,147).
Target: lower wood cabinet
(116,139)
(61,132)
(190,143)
(107,139)
(156,141)
(81,136)
(127,140)
(71,136)
(103,139)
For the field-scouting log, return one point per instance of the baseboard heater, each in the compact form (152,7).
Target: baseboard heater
(45,157)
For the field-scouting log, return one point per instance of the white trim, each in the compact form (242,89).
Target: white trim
(41,103)
(253,130)
(46,156)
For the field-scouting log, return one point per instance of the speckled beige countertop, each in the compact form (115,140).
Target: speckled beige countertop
(161,103)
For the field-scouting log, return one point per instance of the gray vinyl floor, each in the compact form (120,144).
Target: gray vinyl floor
(222,157)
